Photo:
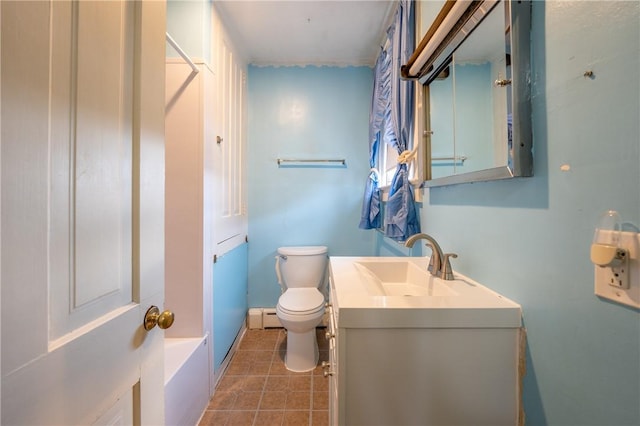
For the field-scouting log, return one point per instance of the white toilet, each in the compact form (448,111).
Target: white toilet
(301,273)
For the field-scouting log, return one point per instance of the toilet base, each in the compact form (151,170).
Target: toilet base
(302,351)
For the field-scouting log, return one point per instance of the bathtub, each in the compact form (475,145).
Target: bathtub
(186,380)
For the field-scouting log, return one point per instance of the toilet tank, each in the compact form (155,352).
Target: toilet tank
(303,266)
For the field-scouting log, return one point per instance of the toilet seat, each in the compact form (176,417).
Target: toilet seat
(301,301)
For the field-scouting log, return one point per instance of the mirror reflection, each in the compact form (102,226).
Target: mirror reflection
(469,109)
(471,102)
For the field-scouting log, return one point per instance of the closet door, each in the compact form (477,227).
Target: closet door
(82,211)
(231,214)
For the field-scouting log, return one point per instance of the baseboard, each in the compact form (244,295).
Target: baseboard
(227,359)
(261,318)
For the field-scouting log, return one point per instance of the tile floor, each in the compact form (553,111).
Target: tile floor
(257,389)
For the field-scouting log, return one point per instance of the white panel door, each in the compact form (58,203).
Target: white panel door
(82,211)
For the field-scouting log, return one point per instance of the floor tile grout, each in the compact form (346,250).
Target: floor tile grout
(279,402)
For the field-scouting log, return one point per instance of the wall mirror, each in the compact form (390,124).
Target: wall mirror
(474,66)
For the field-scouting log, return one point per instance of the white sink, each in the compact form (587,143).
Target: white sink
(384,278)
(392,292)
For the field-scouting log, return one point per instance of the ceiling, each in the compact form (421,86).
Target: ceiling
(307,32)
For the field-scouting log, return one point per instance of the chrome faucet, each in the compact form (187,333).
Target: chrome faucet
(439,264)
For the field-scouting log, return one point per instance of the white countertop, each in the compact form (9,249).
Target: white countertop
(472,305)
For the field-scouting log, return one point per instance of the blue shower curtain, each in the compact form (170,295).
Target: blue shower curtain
(391,122)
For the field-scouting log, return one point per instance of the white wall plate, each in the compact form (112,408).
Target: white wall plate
(610,282)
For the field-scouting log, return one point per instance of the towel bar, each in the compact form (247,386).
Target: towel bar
(309,160)
(460,158)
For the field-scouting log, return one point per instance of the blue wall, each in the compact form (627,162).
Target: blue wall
(311,112)
(529,239)
(229,300)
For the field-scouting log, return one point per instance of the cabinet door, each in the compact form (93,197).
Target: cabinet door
(333,367)
(229,172)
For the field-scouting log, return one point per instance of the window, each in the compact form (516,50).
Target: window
(388,156)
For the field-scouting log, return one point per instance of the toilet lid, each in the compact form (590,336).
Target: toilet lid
(302,250)
(301,300)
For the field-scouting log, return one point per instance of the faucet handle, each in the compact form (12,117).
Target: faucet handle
(447,272)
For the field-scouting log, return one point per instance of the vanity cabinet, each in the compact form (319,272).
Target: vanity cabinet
(331,369)
(384,372)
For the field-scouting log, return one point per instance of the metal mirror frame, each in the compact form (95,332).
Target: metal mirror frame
(520,157)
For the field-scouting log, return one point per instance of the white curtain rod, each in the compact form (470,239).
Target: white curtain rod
(182,53)
(451,19)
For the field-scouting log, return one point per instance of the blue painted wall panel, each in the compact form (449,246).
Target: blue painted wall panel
(229,300)
(311,112)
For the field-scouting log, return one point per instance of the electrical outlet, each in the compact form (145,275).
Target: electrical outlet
(622,283)
(618,277)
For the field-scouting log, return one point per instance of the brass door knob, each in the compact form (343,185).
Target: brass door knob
(153,317)
(502,82)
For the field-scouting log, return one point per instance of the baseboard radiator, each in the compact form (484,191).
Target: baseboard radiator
(259,318)
(263,318)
